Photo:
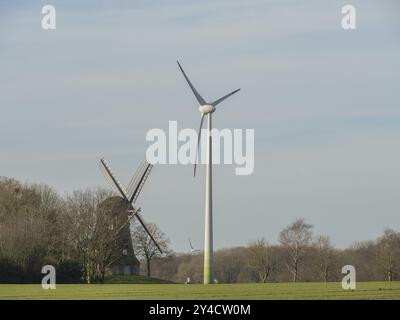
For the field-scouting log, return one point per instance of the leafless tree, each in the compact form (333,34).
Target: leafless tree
(325,255)
(295,239)
(228,264)
(388,246)
(144,247)
(259,258)
(96,230)
(188,266)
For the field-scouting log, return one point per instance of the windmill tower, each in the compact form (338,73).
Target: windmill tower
(207,108)
(123,258)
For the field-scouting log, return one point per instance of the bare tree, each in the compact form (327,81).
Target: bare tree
(96,230)
(144,247)
(296,239)
(388,246)
(325,255)
(259,258)
(228,264)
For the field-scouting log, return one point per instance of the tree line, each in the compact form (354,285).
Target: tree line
(80,235)
(299,256)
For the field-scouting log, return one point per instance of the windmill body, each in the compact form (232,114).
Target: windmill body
(207,109)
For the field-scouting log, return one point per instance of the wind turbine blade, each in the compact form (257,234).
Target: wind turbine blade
(109,174)
(197,95)
(138,216)
(224,97)
(198,144)
(191,246)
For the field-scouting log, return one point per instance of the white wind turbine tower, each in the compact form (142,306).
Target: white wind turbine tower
(207,108)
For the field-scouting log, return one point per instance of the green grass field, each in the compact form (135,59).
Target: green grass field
(365,290)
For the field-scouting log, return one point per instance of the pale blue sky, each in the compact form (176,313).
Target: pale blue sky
(323,101)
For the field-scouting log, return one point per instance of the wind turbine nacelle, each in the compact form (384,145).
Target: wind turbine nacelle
(207,108)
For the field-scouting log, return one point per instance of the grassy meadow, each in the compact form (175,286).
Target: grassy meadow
(332,290)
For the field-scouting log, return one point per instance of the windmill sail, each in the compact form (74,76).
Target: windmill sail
(140,218)
(136,178)
(141,183)
(107,172)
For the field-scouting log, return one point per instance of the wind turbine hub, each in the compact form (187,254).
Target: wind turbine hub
(207,108)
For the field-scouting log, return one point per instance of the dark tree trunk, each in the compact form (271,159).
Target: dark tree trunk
(326,275)
(148,267)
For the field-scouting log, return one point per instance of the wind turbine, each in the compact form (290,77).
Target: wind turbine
(131,193)
(206,108)
(192,249)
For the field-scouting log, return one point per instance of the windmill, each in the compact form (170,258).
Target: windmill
(131,193)
(206,108)
(192,249)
